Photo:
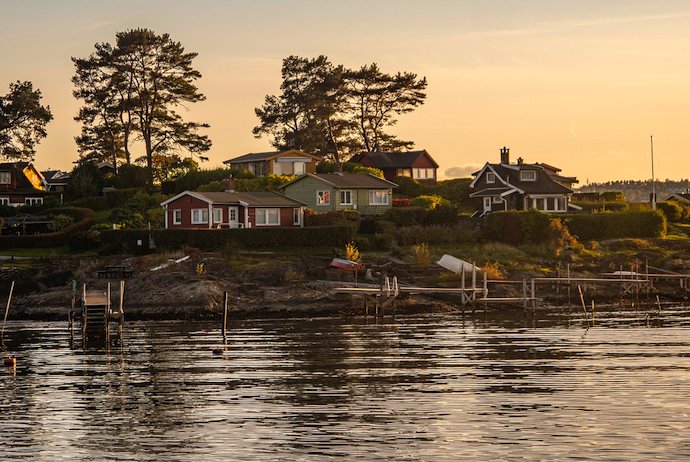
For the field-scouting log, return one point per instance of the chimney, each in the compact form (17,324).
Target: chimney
(505,155)
(519,160)
(229,184)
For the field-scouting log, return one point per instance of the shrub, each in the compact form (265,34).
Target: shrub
(405,216)
(352,252)
(401,202)
(674,211)
(409,187)
(62,221)
(516,228)
(436,234)
(83,219)
(385,227)
(444,214)
(422,256)
(429,202)
(560,239)
(341,217)
(612,225)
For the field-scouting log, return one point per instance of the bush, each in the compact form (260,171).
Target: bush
(674,211)
(401,202)
(215,239)
(341,217)
(409,187)
(83,219)
(435,234)
(516,228)
(613,225)
(192,180)
(598,206)
(429,202)
(405,216)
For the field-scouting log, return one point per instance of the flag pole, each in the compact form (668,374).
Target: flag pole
(651,146)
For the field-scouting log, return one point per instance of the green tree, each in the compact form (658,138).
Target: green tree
(23,121)
(141,82)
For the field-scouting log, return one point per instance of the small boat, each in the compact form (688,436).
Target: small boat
(456,265)
(342,263)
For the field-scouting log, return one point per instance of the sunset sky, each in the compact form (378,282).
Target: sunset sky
(581,85)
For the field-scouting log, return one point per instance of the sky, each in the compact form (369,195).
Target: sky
(580,85)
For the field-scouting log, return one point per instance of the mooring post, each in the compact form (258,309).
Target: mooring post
(474,284)
(524,295)
(534,296)
(122,304)
(558,284)
(485,292)
(7,310)
(225,313)
(462,284)
(570,305)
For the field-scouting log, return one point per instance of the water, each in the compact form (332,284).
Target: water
(417,388)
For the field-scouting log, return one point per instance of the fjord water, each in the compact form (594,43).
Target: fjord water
(412,388)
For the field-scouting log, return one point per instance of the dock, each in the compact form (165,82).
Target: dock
(98,311)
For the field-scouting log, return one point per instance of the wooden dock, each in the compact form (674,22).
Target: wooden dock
(98,311)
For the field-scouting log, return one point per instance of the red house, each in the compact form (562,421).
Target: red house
(21,184)
(191,209)
(418,165)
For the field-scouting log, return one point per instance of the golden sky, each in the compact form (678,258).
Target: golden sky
(581,85)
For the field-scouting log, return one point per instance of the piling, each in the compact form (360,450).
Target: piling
(225,313)
(7,310)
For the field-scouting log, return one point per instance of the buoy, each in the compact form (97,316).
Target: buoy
(9,362)
(217,351)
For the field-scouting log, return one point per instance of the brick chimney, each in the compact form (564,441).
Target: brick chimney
(505,155)
(229,184)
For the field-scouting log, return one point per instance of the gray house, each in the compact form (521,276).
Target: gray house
(329,192)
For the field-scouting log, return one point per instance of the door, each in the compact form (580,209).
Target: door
(487,204)
(233,217)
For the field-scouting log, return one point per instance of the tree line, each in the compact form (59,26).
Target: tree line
(133,91)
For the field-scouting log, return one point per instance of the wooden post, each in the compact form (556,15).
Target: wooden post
(558,285)
(592,312)
(534,296)
(474,284)
(485,292)
(582,300)
(122,304)
(524,295)
(225,313)
(462,284)
(570,305)
(7,311)
(107,313)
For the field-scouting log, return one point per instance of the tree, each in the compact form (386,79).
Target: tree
(136,87)
(335,112)
(23,121)
(377,99)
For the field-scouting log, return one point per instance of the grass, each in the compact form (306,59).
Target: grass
(36,252)
(103,216)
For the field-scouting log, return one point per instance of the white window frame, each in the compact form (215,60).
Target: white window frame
(380,193)
(4,201)
(297,216)
(496,199)
(431,173)
(33,201)
(217,219)
(347,192)
(323,198)
(5,177)
(523,177)
(490,177)
(264,214)
(487,204)
(201,218)
(177,216)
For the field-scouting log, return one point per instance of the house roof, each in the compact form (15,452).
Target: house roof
(250,199)
(22,184)
(348,180)
(393,159)
(683,197)
(509,174)
(259,156)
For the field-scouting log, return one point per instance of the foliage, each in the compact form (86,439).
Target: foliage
(560,239)
(214,239)
(340,217)
(409,187)
(108,200)
(269,182)
(130,176)
(429,202)
(493,270)
(134,89)
(402,202)
(422,256)
(334,112)
(23,121)
(601,206)
(62,221)
(437,234)
(515,228)
(405,216)
(674,211)
(611,225)
(83,219)
(352,252)
(193,179)
(85,181)
(327,166)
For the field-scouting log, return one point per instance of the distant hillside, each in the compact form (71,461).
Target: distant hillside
(639,190)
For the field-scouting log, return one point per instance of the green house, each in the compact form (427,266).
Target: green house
(329,192)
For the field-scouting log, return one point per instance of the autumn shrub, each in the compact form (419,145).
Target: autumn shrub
(429,202)
(422,255)
(436,234)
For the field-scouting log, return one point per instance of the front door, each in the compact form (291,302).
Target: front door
(487,204)
(233,217)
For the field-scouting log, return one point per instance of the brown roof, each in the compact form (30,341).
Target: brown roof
(393,159)
(350,180)
(252,199)
(259,156)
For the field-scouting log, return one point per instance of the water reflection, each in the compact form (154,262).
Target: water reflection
(430,388)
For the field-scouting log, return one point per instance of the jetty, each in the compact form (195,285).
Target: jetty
(98,311)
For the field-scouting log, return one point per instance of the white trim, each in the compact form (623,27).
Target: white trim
(191,193)
(175,221)
(33,201)
(213,218)
(481,172)
(340,197)
(165,213)
(522,174)
(265,211)
(372,194)
(493,177)
(200,212)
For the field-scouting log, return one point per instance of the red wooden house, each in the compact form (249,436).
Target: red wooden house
(21,184)
(418,165)
(191,209)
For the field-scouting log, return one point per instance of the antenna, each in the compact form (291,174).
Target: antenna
(651,146)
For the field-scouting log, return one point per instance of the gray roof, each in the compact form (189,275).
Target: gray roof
(393,159)
(349,180)
(259,156)
(254,199)
(544,184)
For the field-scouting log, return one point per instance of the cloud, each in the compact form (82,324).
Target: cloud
(462,171)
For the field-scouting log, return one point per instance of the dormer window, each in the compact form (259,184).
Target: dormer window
(5,177)
(490,177)
(528,175)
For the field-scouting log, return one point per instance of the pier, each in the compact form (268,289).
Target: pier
(98,311)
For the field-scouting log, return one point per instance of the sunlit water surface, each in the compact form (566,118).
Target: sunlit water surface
(410,388)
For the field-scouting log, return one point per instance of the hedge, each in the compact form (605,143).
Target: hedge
(83,217)
(214,239)
(613,225)
(527,227)
(109,200)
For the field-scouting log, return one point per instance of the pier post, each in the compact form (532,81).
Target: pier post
(570,304)
(534,296)
(225,313)
(524,295)
(462,284)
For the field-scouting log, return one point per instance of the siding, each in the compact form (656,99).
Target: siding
(305,191)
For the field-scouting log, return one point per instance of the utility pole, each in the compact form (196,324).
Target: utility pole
(651,145)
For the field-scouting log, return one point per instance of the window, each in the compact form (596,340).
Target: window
(528,175)
(299,168)
(422,173)
(217,216)
(323,198)
(4,201)
(5,177)
(267,217)
(177,217)
(490,177)
(378,197)
(431,173)
(345,197)
(403,172)
(33,200)
(487,203)
(233,214)
(497,199)
(199,216)
(561,204)
(296,216)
